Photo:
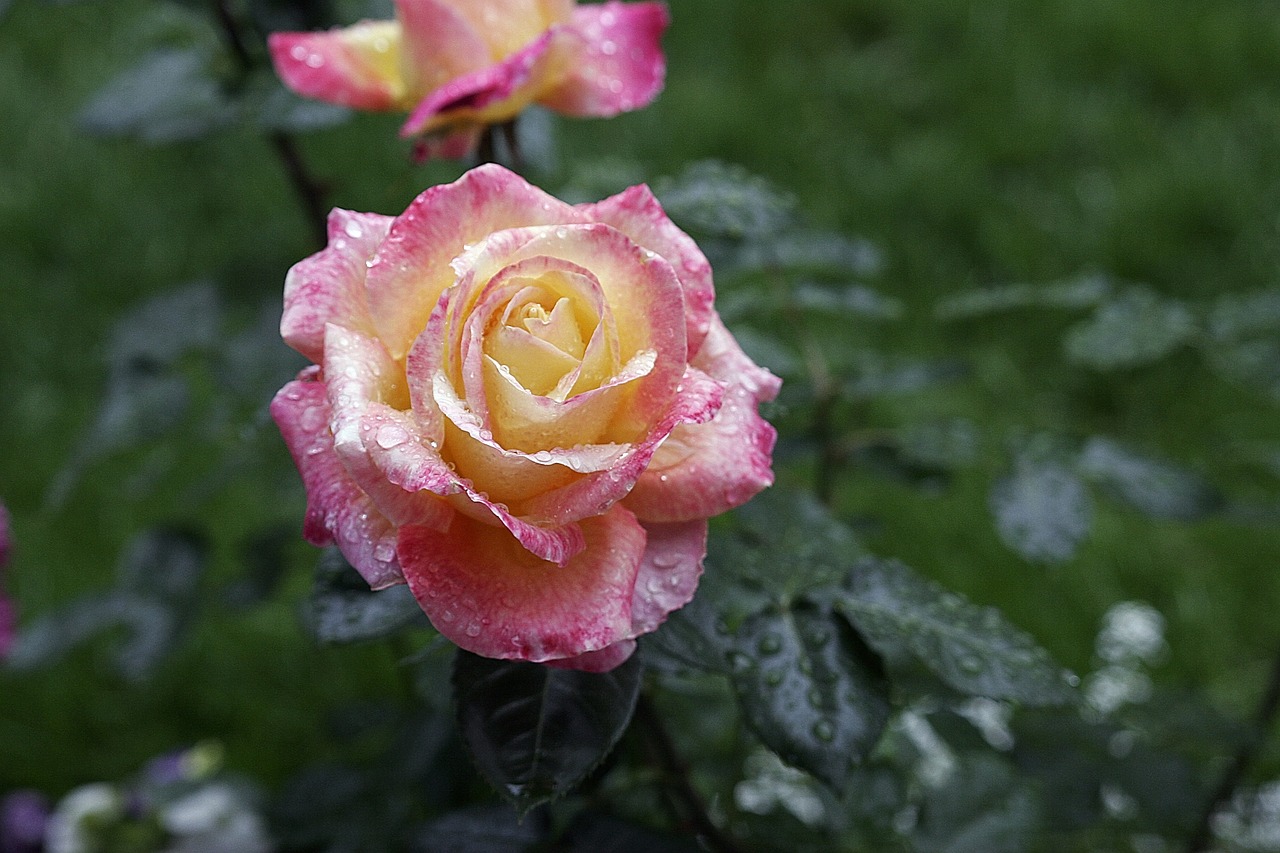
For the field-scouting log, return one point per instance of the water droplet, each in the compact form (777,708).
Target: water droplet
(473,630)
(385,552)
(971,664)
(773,678)
(315,60)
(609,48)
(447,615)
(665,561)
(770,644)
(312,419)
(739,662)
(824,731)
(354,231)
(390,435)
(299,52)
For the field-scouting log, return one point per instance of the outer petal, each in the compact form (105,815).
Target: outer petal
(617,63)
(493,94)
(356,66)
(337,510)
(492,597)
(439,44)
(636,213)
(508,25)
(328,287)
(411,268)
(705,469)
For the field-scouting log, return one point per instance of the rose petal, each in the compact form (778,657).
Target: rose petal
(636,213)
(493,94)
(411,268)
(704,469)
(697,400)
(440,43)
(508,25)
(598,661)
(328,287)
(337,510)
(617,62)
(669,572)
(356,66)
(490,596)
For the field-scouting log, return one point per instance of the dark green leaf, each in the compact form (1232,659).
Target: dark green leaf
(722,200)
(536,731)
(165,564)
(480,829)
(342,608)
(810,691)
(1084,292)
(149,629)
(981,809)
(1042,509)
(689,641)
(162,329)
(168,96)
(973,649)
(598,833)
(1254,363)
(1134,328)
(1157,488)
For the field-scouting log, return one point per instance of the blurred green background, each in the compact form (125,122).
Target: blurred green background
(974,144)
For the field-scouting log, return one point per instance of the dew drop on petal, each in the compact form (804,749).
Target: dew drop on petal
(354,231)
(390,435)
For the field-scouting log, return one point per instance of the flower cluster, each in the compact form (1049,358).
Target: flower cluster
(526,410)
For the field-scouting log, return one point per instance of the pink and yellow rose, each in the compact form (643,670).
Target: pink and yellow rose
(458,65)
(524,409)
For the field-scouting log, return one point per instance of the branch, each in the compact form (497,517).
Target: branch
(1201,837)
(675,779)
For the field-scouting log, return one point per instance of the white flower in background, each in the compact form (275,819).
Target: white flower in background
(214,819)
(70,825)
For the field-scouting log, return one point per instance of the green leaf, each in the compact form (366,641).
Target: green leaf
(1154,487)
(168,96)
(982,808)
(1042,509)
(1083,292)
(876,376)
(342,608)
(1134,328)
(810,691)
(166,564)
(279,109)
(720,200)
(1238,316)
(689,641)
(536,731)
(973,649)
(1253,363)
(811,251)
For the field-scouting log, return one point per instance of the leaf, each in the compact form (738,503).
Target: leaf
(280,110)
(165,563)
(479,829)
(1134,328)
(162,329)
(1238,316)
(1042,509)
(809,692)
(342,608)
(877,376)
(536,731)
(810,250)
(1083,292)
(982,809)
(973,649)
(1157,488)
(720,200)
(149,633)
(593,832)
(1254,363)
(688,641)
(168,96)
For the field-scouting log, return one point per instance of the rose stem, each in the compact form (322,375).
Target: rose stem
(675,777)
(1246,753)
(310,193)
(488,149)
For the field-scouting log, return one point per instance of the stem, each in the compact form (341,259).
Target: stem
(488,151)
(1202,835)
(684,798)
(310,193)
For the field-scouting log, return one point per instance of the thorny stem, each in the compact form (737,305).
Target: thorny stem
(684,799)
(1201,837)
(310,193)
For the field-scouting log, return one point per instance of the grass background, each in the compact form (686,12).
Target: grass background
(975,144)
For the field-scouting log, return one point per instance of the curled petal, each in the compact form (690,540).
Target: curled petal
(337,510)
(356,66)
(602,660)
(617,62)
(411,268)
(669,572)
(439,44)
(704,469)
(329,286)
(489,595)
(493,94)
(697,401)
(636,213)
(508,25)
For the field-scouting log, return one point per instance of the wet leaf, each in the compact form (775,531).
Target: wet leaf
(809,691)
(1134,328)
(1157,488)
(973,649)
(536,731)
(1042,509)
(342,608)
(1083,292)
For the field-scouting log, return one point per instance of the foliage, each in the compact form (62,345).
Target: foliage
(1016,266)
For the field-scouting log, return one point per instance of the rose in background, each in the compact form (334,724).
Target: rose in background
(524,409)
(459,66)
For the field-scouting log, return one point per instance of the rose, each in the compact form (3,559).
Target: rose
(458,65)
(527,410)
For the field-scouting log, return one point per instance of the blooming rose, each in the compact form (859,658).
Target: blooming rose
(525,409)
(458,65)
